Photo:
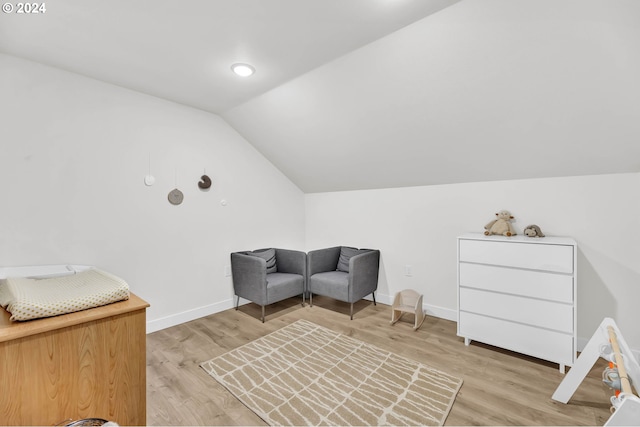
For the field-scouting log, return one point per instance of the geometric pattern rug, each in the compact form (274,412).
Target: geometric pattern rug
(305,374)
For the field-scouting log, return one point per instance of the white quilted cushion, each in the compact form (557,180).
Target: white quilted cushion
(28,299)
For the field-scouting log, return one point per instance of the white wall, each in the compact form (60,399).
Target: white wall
(478,82)
(74,152)
(418,226)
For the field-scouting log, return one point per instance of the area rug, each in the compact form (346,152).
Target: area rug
(305,374)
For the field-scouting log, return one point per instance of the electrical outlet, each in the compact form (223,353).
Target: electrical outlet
(227,271)
(408,270)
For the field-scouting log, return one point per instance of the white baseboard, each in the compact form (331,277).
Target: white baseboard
(441,312)
(196,313)
(381,298)
(430,310)
(187,316)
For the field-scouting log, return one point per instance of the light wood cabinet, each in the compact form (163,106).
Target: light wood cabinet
(519,293)
(86,364)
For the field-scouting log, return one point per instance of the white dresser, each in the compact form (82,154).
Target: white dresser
(519,293)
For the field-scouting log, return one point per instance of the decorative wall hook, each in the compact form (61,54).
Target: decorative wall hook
(175,196)
(149,179)
(205,182)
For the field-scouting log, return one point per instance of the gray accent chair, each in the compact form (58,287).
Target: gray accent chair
(252,282)
(326,274)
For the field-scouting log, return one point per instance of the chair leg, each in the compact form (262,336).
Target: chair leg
(310,299)
(351,311)
(237,301)
(373,294)
(303,299)
(263,314)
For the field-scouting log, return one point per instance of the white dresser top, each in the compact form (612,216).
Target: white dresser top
(548,240)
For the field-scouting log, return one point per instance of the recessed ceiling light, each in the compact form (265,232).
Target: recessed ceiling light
(243,70)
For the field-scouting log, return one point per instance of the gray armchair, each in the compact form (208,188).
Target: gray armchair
(266,276)
(343,273)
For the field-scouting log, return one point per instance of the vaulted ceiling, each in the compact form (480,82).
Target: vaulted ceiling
(358,94)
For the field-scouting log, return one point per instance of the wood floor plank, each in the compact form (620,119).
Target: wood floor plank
(500,387)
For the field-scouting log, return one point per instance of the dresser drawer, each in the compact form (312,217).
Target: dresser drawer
(535,256)
(544,344)
(529,283)
(534,312)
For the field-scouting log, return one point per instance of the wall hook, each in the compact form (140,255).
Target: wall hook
(149,179)
(205,182)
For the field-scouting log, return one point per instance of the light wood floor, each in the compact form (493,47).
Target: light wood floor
(500,387)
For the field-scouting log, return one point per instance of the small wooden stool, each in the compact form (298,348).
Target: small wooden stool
(407,301)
